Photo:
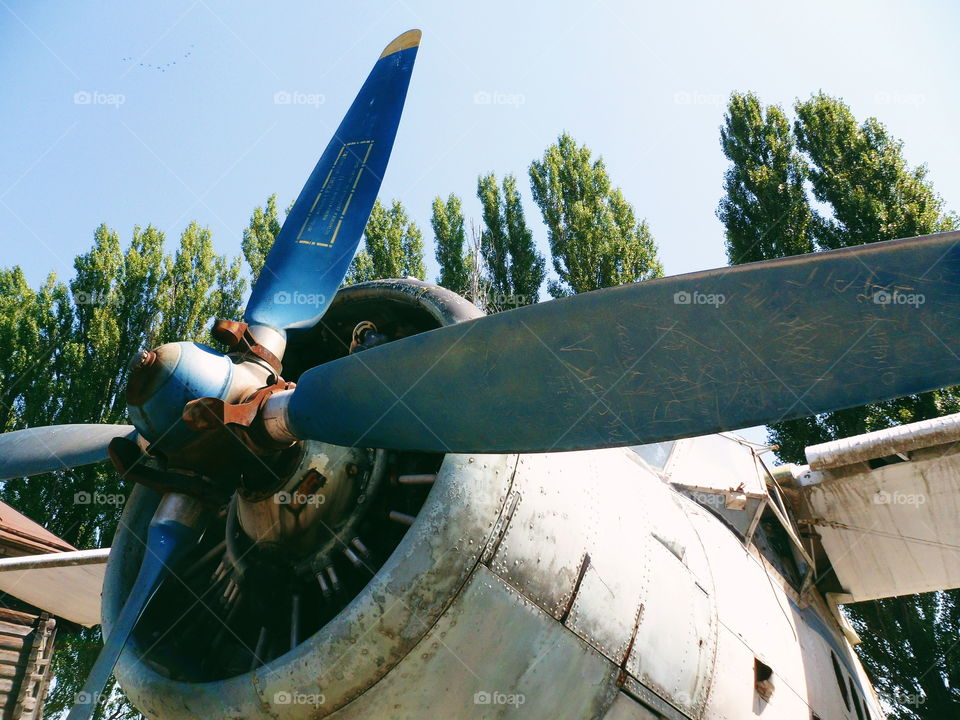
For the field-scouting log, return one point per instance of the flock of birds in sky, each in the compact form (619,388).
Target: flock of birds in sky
(161,68)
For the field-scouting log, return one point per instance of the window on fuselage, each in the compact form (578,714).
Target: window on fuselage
(655,454)
(840,681)
(856,700)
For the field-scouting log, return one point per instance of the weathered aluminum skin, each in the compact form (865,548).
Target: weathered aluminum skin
(763,618)
(890,441)
(625,707)
(891,530)
(493,654)
(598,541)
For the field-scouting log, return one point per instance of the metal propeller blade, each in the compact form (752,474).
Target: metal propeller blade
(56,447)
(174,530)
(675,357)
(320,235)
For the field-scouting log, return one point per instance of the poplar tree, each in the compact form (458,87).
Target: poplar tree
(764,209)
(393,247)
(449,240)
(869,192)
(514,269)
(259,235)
(64,349)
(595,239)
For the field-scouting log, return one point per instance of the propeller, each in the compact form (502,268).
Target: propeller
(56,447)
(320,235)
(312,253)
(668,358)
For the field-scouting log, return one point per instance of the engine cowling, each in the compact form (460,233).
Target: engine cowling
(562,585)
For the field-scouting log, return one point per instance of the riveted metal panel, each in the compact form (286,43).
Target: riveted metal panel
(760,622)
(645,695)
(626,708)
(554,525)
(493,654)
(575,544)
(672,529)
(675,641)
(617,579)
(674,648)
(586,543)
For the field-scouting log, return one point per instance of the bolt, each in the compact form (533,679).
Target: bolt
(142,360)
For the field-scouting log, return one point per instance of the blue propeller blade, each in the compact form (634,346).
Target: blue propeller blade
(313,251)
(670,358)
(167,542)
(56,447)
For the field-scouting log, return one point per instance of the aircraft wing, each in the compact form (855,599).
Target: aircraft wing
(885,507)
(66,584)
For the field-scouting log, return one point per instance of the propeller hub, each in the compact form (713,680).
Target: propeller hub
(164,380)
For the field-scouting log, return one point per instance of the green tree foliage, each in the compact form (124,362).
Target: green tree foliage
(449,240)
(63,356)
(869,193)
(909,649)
(765,208)
(494,248)
(595,238)
(393,247)
(259,235)
(514,268)
(859,171)
(527,265)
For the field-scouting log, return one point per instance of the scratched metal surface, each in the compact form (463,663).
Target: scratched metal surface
(626,708)
(674,647)
(493,654)
(576,542)
(660,359)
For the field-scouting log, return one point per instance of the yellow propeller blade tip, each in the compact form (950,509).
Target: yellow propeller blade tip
(409,39)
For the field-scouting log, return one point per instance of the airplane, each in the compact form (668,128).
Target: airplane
(382,503)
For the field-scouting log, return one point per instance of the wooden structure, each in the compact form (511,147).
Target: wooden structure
(26,650)
(26,633)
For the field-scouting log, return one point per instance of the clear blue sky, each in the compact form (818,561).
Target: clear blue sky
(644,84)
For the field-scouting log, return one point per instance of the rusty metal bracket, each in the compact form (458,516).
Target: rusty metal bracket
(208,413)
(224,430)
(236,336)
(132,463)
